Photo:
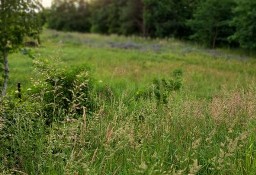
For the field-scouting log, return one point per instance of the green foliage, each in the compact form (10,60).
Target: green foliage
(17,20)
(245,23)
(70,15)
(99,23)
(151,18)
(113,18)
(106,16)
(26,142)
(191,134)
(249,165)
(161,88)
(207,22)
(157,17)
(166,18)
(65,93)
(211,22)
(22,137)
(131,18)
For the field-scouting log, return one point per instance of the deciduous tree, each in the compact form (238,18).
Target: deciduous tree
(18,18)
(211,22)
(70,15)
(245,23)
(165,18)
(131,18)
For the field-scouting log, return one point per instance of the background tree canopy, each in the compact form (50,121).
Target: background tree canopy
(209,22)
(69,15)
(245,22)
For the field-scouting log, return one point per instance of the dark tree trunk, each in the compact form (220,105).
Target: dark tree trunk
(214,38)
(6,72)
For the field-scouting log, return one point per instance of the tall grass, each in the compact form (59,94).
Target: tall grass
(205,127)
(141,137)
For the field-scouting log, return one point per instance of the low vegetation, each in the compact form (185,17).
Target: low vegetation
(142,106)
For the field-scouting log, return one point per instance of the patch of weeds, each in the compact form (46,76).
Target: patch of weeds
(161,88)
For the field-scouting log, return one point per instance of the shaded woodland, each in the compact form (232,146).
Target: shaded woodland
(213,23)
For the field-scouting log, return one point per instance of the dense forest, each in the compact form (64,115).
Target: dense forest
(212,23)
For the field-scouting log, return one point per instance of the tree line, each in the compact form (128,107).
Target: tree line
(213,23)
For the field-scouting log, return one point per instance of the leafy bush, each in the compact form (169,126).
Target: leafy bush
(65,92)
(161,88)
(25,139)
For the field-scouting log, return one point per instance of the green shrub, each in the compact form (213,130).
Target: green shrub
(64,91)
(161,88)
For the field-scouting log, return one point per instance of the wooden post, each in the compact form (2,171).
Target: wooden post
(19,91)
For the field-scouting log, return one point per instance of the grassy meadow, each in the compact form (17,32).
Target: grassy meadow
(147,121)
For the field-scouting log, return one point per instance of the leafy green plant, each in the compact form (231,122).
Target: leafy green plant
(65,91)
(161,88)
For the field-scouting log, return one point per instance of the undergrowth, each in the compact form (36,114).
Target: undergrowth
(125,135)
(142,137)
(181,122)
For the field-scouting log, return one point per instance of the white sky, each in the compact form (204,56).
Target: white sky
(46,3)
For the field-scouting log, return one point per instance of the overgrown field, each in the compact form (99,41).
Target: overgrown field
(96,104)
